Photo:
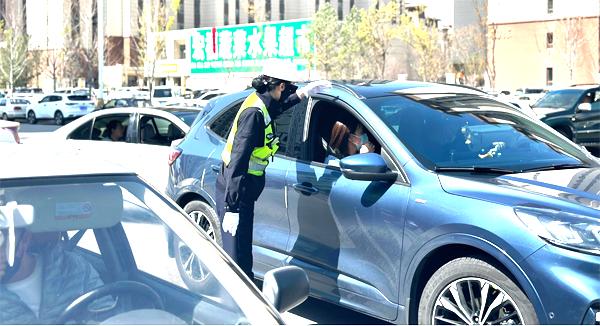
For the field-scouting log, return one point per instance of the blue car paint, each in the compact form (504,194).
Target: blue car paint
(398,226)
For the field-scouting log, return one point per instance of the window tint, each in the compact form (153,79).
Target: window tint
(78,98)
(55,98)
(83,132)
(222,124)
(289,127)
(157,131)
(46,99)
(99,131)
(162,93)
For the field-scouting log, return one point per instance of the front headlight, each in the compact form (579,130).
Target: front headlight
(569,230)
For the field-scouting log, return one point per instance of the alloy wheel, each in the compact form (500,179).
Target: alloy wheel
(475,301)
(201,220)
(191,265)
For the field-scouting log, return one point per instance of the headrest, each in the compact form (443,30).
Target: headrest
(68,207)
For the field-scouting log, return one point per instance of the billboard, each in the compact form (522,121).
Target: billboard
(244,48)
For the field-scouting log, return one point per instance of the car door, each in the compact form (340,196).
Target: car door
(346,234)
(587,123)
(152,147)
(41,108)
(3,109)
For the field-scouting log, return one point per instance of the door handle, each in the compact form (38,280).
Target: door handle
(305,188)
(215,168)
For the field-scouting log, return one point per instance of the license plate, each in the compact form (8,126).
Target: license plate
(83,107)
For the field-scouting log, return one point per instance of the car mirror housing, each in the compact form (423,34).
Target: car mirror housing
(584,107)
(367,167)
(286,287)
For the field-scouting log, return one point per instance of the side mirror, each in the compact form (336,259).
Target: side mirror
(584,107)
(367,167)
(286,287)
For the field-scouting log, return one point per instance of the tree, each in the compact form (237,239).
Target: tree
(13,53)
(349,58)
(377,29)
(54,65)
(324,37)
(155,19)
(467,51)
(426,42)
(573,38)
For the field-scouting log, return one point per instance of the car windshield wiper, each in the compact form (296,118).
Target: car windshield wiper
(557,167)
(477,169)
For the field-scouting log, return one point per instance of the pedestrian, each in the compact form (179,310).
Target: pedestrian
(250,146)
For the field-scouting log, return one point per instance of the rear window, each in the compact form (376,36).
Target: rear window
(78,98)
(162,93)
(187,117)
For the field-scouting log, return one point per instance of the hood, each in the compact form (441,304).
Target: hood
(569,186)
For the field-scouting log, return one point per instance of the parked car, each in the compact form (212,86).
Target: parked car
(165,95)
(125,102)
(60,107)
(33,94)
(574,112)
(9,132)
(203,99)
(144,147)
(116,246)
(529,95)
(468,211)
(13,108)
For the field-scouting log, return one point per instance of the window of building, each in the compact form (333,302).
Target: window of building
(237,12)
(351,4)
(281,9)
(340,9)
(549,76)
(268,9)
(316,5)
(179,50)
(196,13)
(140,6)
(180,19)
(549,40)
(226,12)
(251,11)
(550,6)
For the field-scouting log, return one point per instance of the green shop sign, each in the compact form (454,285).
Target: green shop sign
(245,48)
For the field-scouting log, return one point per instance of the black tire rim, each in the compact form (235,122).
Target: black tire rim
(475,301)
(4,116)
(31,117)
(204,222)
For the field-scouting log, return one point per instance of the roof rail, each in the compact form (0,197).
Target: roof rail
(347,89)
(584,84)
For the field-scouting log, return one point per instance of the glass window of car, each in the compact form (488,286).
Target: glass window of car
(110,104)
(100,131)
(162,93)
(3,102)
(83,132)
(55,98)
(289,127)
(156,130)
(46,99)
(222,124)
(564,99)
(109,221)
(467,131)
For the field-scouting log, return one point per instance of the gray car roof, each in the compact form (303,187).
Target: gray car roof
(35,160)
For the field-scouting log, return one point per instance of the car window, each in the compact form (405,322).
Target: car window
(122,103)
(2,102)
(157,130)
(46,99)
(110,104)
(559,99)
(83,132)
(55,98)
(162,93)
(78,97)
(222,124)
(289,127)
(100,131)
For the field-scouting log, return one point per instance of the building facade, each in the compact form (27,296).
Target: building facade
(544,43)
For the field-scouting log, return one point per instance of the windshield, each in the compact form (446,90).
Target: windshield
(470,131)
(559,99)
(187,116)
(118,235)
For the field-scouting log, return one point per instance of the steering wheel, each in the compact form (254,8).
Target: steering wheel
(119,287)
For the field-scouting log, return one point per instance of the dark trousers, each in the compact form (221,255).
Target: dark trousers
(239,247)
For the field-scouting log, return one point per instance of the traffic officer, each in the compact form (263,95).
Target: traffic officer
(250,146)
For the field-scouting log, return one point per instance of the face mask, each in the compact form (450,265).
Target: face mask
(362,139)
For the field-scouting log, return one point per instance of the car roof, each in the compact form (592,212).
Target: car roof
(377,88)
(37,160)
(148,110)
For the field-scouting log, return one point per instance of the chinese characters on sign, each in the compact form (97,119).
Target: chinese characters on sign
(244,48)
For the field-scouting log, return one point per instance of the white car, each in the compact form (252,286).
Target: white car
(204,98)
(60,107)
(33,95)
(13,108)
(166,95)
(144,147)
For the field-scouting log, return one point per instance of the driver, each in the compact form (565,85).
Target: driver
(38,277)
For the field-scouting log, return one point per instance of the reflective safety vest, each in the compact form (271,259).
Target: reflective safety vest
(259,159)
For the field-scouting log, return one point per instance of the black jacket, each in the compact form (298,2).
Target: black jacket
(239,185)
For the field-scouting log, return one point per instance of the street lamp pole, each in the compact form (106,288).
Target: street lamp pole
(100,50)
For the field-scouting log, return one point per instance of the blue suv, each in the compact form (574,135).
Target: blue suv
(467,212)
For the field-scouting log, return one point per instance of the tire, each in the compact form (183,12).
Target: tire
(192,271)
(31,117)
(461,280)
(59,120)
(4,116)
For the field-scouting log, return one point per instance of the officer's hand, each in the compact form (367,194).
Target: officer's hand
(313,88)
(230,222)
